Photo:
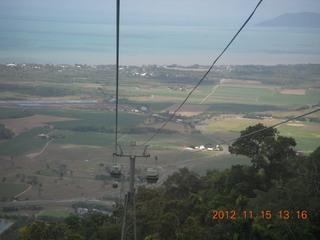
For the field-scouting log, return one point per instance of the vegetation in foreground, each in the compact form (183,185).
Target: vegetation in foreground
(277,197)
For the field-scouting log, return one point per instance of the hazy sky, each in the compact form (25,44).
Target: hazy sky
(156,10)
(214,9)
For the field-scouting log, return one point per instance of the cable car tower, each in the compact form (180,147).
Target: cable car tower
(129,229)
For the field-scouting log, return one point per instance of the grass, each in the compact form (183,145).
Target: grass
(48,172)
(29,140)
(261,96)
(169,141)
(84,138)
(306,134)
(55,214)
(249,97)
(10,190)
(240,108)
(91,118)
(222,163)
(24,143)
(294,113)
(6,112)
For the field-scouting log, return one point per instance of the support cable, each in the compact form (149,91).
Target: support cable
(117,75)
(205,75)
(275,125)
(263,129)
(252,133)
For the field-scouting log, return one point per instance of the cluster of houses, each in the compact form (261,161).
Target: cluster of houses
(80,211)
(203,148)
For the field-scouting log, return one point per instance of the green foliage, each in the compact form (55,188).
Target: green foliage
(5,133)
(180,184)
(91,227)
(181,210)
(41,230)
(268,151)
(6,112)
(39,90)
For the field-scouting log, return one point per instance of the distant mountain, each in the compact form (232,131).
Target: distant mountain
(302,19)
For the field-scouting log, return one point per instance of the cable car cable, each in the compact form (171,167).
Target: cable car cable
(117,75)
(205,75)
(275,125)
(263,129)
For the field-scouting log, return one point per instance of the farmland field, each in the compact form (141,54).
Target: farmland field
(9,190)
(56,214)
(306,134)
(62,149)
(24,143)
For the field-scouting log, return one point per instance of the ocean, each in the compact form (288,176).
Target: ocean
(69,42)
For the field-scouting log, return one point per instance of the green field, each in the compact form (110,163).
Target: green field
(82,148)
(222,163)
(243,94)
(306,134)
(24,143)
(9,190)
(55,214)
(91,118)
(6,112)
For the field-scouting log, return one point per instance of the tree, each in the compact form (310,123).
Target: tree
(256,144)
(181,184)
(5,133)
(40,230)
(268,151)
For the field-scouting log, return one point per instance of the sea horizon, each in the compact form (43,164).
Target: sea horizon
(68,42)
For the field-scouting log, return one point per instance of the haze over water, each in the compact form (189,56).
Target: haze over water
(85,34)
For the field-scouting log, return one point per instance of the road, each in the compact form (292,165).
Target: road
(54,201)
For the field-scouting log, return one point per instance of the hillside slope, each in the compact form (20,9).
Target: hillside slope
(302,19)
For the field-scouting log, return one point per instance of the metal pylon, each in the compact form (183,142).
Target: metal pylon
(129,227)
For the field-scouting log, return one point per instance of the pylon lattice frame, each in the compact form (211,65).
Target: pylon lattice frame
(129,228)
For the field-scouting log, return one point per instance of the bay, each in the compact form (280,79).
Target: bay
(70,42)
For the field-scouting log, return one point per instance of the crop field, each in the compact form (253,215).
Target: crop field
(187,109)
(306,134)
(24,143)
(244,93)
(20,125)
(91,118)
(55,214)
(76,142)
(248,94)
(292,113)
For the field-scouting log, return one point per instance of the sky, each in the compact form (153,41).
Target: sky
(207,10)
(147,12)
(157,10)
